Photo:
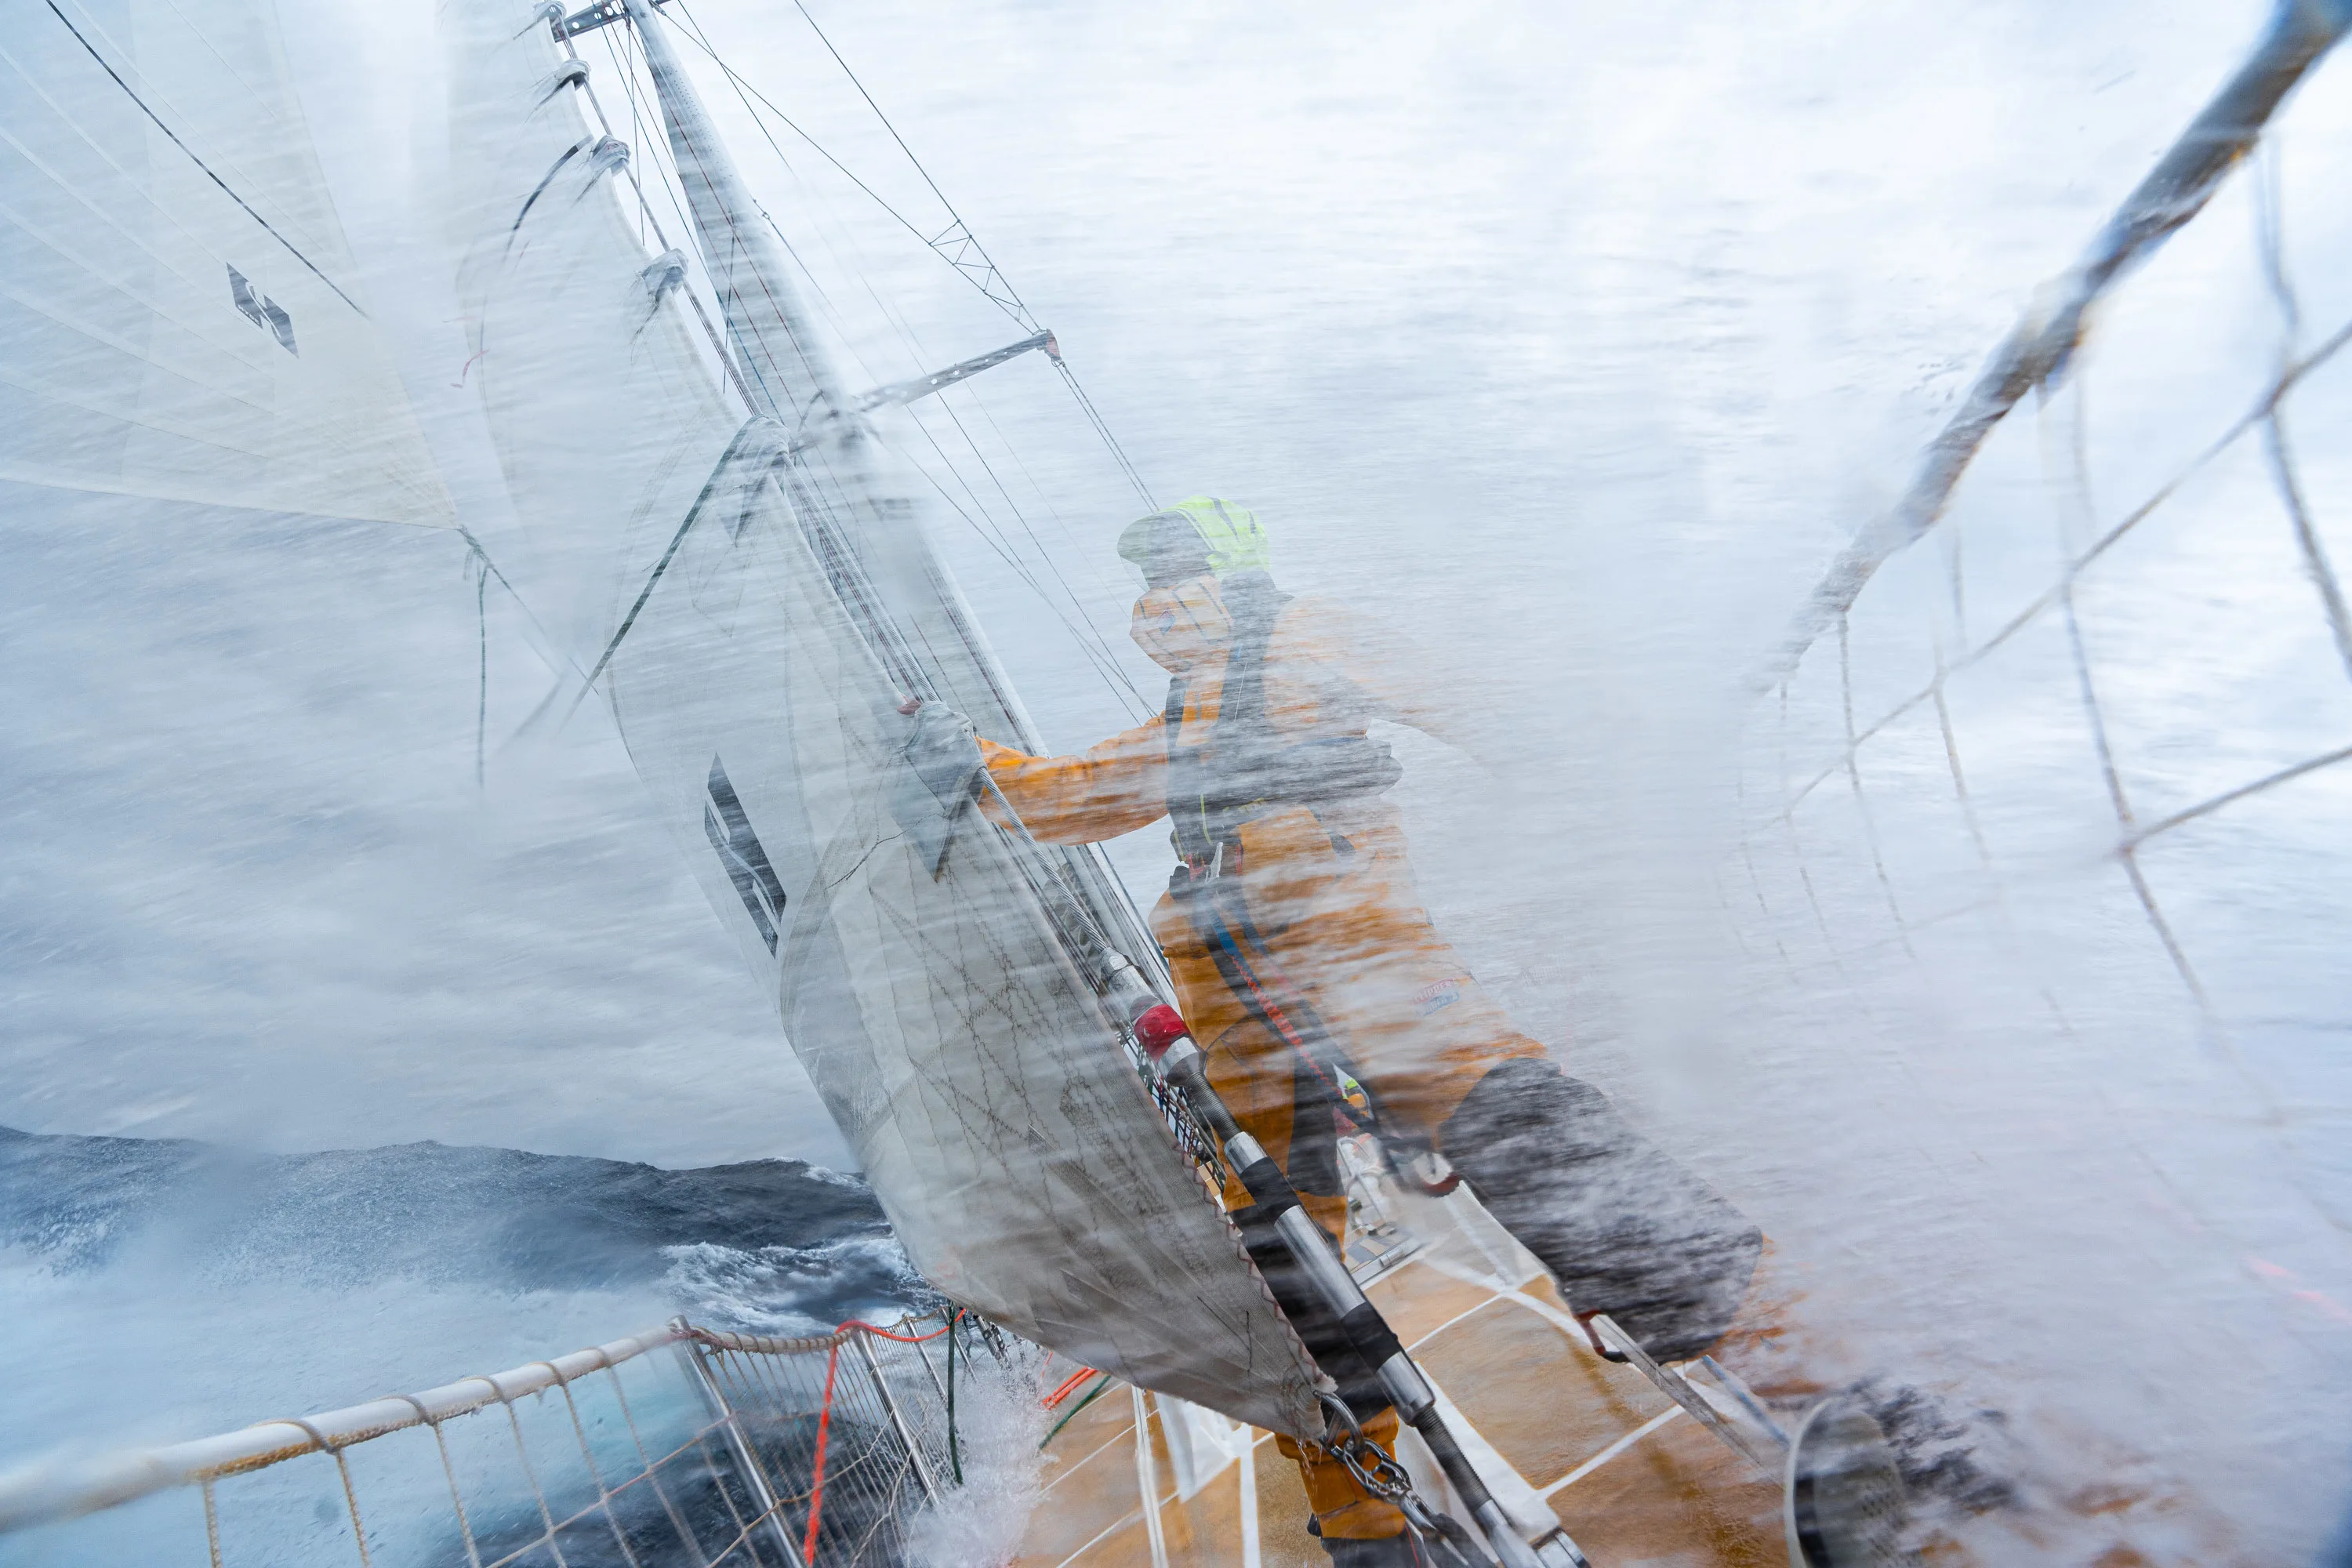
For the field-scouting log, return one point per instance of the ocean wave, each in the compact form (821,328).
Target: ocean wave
(792,1290)
(430,1211)
(186,1288)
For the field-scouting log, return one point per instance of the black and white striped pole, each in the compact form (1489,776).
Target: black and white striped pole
(1161,1034)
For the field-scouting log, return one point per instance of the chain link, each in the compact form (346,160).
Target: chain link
(1380,1476)
(1374,1471)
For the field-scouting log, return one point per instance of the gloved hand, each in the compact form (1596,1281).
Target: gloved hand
(943,748)
(936,774)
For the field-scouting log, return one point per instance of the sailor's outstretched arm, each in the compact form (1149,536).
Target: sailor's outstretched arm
(1394,675)
(1105,791)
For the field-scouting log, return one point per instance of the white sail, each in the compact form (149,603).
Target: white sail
(179,316)
(758,615)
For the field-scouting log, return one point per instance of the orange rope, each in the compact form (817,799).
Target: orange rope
(823,1430)
(1070,1387)
(887,1335)
(824,1416)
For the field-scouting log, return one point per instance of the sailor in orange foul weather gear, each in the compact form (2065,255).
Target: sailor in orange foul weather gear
(1312,978)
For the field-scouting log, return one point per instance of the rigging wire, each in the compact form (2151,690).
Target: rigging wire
(1097,652)
(1010,302)
(1089,637)
(1101,581)
(1083,631)
(968,237)
(645,209)
(1101,653)
(226,188)
(1095,644)
(1106,660)
(701,41)
(636,133)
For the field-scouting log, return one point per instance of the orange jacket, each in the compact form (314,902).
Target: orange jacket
(1337,908)
(1329,671)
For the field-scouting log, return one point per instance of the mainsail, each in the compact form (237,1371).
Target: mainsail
(180,315)
(710,532)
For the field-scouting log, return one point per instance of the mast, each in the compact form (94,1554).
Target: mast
(937,1007)
(785,371)
(787,377)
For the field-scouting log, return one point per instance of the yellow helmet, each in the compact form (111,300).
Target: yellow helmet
(1230,534)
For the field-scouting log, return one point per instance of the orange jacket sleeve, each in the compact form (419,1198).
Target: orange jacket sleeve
(1105,791)
(1374,661)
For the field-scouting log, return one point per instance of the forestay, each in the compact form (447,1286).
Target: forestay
(761,607)
(179,312)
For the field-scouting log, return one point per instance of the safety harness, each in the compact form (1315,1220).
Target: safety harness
(1245,772)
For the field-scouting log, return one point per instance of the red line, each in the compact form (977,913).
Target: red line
(825,1420)
(823,1430)
(1059,1394)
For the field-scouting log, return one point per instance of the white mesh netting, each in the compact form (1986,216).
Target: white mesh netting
(2043,834)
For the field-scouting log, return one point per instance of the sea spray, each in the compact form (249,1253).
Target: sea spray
(182,1287)
(1000,1420)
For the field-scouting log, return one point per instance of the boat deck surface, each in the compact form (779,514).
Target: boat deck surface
(1635,1480)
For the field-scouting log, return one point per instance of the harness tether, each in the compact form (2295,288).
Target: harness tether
(1243,772)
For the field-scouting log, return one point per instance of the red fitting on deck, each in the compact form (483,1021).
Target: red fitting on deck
(1160,1028)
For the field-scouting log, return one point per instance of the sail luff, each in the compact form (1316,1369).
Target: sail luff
(939,997)
(918,621)
(784,369)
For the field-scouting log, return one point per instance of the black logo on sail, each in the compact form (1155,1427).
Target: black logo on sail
(262,311)
(738,850)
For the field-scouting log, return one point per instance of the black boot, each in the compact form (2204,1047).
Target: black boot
(1623,1227)
(1845,1505)
(1319,1330)
(1389,1551)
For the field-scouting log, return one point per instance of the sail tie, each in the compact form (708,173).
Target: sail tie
(572,72)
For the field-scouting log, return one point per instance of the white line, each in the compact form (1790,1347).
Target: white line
(1131,1516)
(1248,1466)
(1568,1326)
(1451,1321)
(1496,1294)
(1610,1452)
(1146,1482)
(1073,1469)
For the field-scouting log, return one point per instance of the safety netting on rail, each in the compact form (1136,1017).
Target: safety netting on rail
(2040,877)
(2073,721)
(681,1446)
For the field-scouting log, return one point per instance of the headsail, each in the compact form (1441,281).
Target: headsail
(179,312)
(758,605)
